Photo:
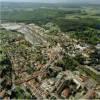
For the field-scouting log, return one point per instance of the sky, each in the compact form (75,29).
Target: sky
(55,1)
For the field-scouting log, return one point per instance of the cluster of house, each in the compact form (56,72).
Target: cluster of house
(66,84)
(70,85)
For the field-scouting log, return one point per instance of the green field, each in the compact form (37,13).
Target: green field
(78,20)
